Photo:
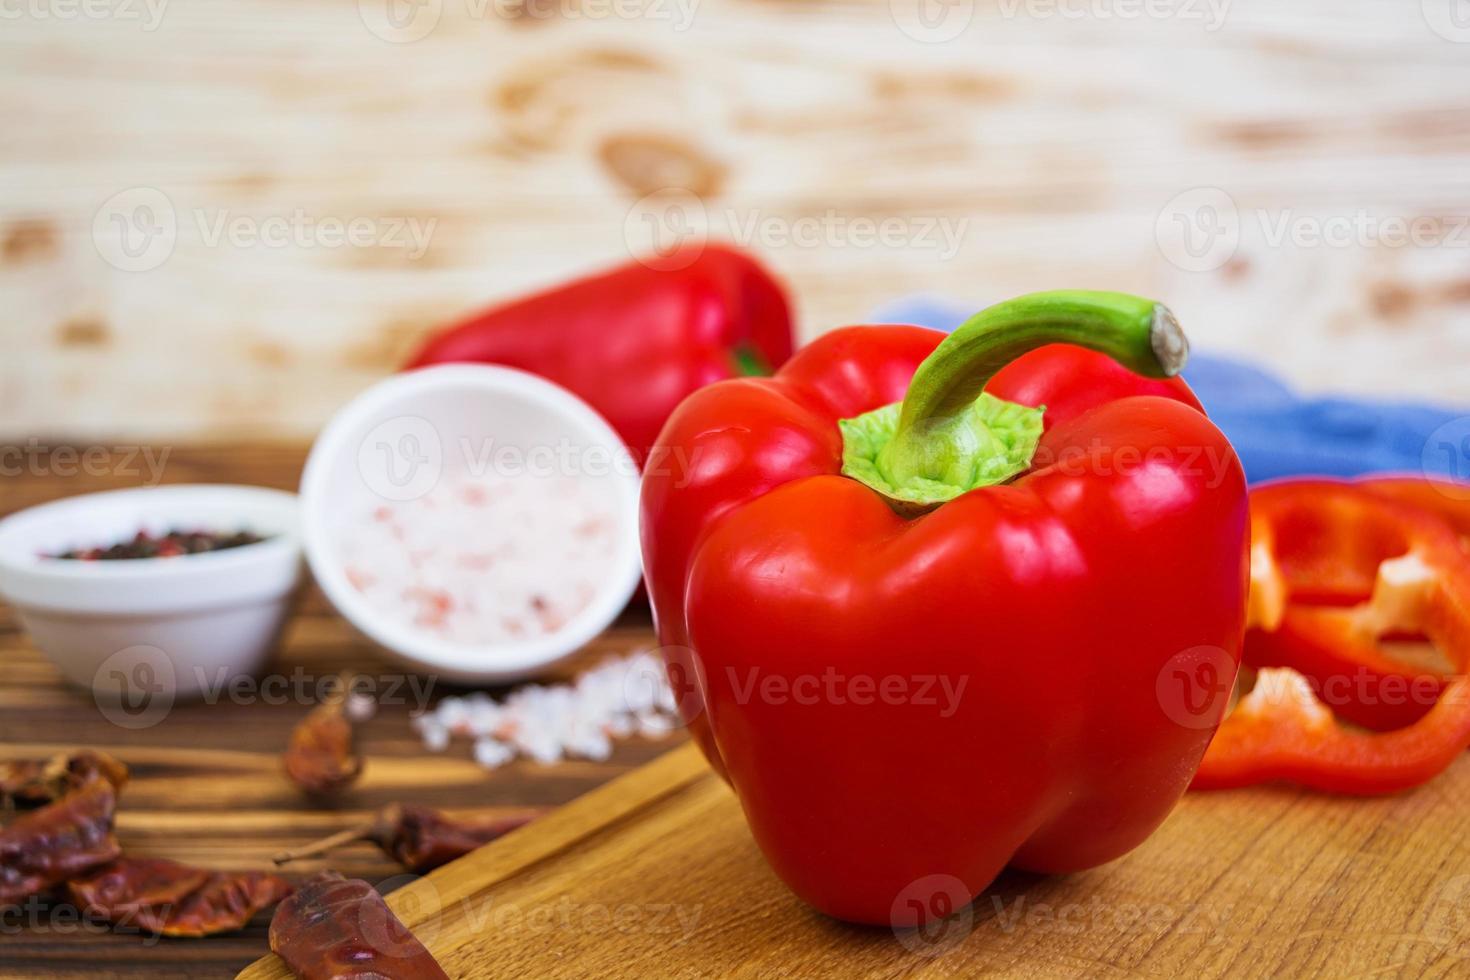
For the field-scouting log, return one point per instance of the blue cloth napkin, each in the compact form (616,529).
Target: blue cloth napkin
(1276,431)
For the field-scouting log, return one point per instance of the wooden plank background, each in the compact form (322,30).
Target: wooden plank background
(207,783)
(1054,134)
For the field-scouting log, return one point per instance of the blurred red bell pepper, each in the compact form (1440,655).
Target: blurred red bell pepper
(1347,565)
(635,340)
(926,640)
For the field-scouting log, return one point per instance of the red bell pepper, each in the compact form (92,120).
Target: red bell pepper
(634,340)
(1327,542)
(925,641)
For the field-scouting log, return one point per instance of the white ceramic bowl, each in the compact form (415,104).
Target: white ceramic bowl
(397,439)
(176,626)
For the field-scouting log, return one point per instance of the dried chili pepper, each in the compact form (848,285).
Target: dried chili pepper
(74,769)
(45,846)
(21,783)
(418,837)
(172,899)
(336,928)
(28,783)
(322,756)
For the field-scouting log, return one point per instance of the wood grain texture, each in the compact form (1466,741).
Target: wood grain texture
(207,784)
(1051,135)
(656,874)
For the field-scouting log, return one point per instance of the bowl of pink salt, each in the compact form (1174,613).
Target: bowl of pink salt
(475,521)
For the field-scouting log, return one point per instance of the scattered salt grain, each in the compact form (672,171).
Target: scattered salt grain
(548,723)
(435,735)
(360,707)
(654,726)
(492,753)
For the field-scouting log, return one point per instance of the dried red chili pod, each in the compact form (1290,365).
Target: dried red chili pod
(336,928)
(26,783)
(172,899)
(421,838)
(322,756)
(418,837)
(122,890)
(78,766)
(43,847)
(21,783)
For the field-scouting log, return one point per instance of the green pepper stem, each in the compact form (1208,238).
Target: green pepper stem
(1139,334)
(946,438)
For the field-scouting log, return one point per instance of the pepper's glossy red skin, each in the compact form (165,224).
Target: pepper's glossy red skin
(635,340)
(1058,600)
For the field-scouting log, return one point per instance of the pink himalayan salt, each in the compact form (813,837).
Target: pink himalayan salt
(484,559)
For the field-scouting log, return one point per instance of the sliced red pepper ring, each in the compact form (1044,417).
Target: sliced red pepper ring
(1323,541)
(1317,549)
(1451,501)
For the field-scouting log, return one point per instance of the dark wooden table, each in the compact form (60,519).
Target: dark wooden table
(207,783)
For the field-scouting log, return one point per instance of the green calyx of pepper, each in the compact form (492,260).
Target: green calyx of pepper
(948,437)
(749,362)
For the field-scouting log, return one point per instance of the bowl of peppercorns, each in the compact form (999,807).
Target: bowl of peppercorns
(147,595)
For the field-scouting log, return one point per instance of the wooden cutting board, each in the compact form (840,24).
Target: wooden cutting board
(656,875)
